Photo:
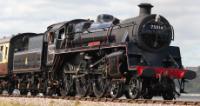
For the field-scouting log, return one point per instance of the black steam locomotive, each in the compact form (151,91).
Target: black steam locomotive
(106,58)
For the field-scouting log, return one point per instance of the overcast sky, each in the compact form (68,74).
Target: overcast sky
(18,16)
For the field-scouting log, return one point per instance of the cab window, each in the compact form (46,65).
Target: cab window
(51,37)
(61,34)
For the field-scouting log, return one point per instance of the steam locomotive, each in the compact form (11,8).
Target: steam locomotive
(102,58)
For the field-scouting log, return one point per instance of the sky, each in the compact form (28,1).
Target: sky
(18,16)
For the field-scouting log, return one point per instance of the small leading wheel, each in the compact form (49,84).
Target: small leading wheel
(68,82)
(100,86)
(116,89)
(82,86)
(133,90)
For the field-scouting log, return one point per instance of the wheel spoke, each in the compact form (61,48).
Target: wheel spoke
(133,90)
(82,86)
(116,89)
(68,82)
(100,87)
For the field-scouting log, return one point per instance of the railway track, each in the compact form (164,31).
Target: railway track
(140,102)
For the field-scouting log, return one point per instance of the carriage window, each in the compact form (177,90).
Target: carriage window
(1,48)
(6,52)
(1,56)
(35,42)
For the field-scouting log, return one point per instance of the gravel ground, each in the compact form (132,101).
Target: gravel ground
(14,101)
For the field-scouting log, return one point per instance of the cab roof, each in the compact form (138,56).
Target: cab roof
(57,26)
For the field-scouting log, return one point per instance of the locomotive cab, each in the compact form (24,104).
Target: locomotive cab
(64,33)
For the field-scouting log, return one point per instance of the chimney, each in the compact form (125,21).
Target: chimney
(145,9)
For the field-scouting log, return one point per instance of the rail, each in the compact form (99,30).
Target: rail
(111,100)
